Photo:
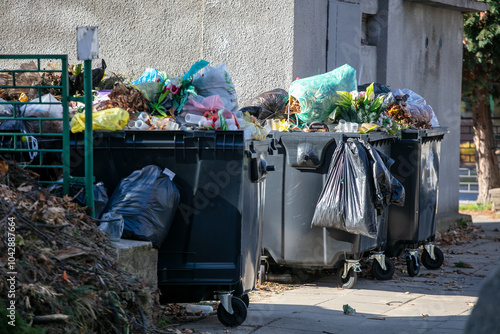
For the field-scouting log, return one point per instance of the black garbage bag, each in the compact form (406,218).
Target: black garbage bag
(273,104)
(252,110)
(147,199)
(378,88)
(359,186)
(388,190)
(77,190)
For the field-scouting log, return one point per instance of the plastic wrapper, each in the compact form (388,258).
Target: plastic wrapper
(216,81)
(252,129)
(358,187)
(147,199)
(149,75)
(211,104)
(317,95)
(113,119)
(272,104)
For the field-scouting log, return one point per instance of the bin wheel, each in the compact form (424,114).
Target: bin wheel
(245,299)
(239,313)
(350,281)
(413,266)
(381,274)
(430,263)
(262,274)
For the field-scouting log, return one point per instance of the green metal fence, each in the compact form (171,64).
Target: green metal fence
(31,148)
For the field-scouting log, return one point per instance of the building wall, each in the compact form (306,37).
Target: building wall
(254,38)
(422,51)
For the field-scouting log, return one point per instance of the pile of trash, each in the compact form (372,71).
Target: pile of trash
(60,265)
(204,98)
(334,102)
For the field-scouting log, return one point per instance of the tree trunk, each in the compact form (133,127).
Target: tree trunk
(488,173)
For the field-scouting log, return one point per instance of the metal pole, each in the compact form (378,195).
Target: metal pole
(89,136)
(65,147)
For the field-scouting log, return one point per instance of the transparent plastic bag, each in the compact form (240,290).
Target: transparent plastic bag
(317,95)
(217,81)
(273,104)
(43,110)
(112,224)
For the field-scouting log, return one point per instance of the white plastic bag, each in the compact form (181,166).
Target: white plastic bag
(216,81)
(414,98)
(43,110)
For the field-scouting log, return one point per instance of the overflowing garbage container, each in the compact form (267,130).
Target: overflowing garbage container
(212,249)
(293,193)
(416,154)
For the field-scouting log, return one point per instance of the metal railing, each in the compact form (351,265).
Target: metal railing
(20,139)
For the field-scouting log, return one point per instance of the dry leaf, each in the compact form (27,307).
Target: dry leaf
(69,252)
(65,277)
(4,168)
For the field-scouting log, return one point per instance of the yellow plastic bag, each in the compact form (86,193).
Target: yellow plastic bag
(113,119)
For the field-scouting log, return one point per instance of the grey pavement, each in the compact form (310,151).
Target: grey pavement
(434,302)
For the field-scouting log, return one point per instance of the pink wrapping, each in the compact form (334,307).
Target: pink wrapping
(211,103)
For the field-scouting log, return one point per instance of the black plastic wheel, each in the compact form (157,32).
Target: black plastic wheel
(413,266)
(237,318)
(381,274)
(262,274)
(430,263)
(245,299)
(350,280)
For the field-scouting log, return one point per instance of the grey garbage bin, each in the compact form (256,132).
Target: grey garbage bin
(416,166)
(292,192)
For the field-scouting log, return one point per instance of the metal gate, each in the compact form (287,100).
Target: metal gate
(34,130)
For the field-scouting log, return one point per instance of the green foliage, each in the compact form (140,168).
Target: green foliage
(481,67)
(362,107)
(475,207)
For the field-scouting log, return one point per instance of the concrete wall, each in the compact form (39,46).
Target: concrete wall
(265,44)
(422,51)
(256,39)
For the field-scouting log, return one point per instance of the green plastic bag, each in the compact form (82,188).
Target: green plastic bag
(317,94)
(148,89)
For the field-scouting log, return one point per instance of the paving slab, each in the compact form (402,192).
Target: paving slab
(435,301)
